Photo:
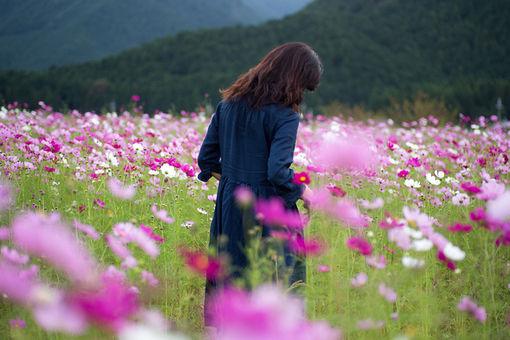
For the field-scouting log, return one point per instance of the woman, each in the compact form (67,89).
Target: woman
(250,141)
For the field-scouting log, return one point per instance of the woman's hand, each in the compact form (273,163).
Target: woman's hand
(216,175)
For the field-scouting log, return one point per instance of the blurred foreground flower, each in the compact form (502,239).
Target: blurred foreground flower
(265,313)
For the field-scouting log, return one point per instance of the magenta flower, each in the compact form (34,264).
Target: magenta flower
(48,238)
(100,203)
(148,230)
(17,323)
(449,264)
(478,214)
(403,173)
(460,228)
(111,305)
(360,245)
(470,188)
(118,189)
(336,190)
(128,233)
(467,305)
(135,98)
(300,246)
(301,178)
(49,169)
(414,162)
(273,212)
(162,214)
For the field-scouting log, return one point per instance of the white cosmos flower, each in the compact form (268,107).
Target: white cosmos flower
(138,147)
(153,172)
(416,234)
(411,183)
(454,253)
(439,174)
(411,262)
(432,179)
(168,171)
(422,245)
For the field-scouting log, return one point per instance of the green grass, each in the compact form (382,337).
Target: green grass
(427,298)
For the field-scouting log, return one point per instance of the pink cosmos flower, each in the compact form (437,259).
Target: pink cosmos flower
(149,278)
(351,154)
(118,189)
(343,210)
(490,190)
(265,313)
(378,262)
(87,229)
(498,209)
(390,222)
(13,256)
(206,265)
(389,294)
(322,268)
(128,233)
(162,214)
(301,178)
(118,247)
(459,227)
(47,237)
(360,245)
(272,212)
(135,98)
(400,237)
(375,204)
(244,196)
(14,284)
(467,305)
(359,280)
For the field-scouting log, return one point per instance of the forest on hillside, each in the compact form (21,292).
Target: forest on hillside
(374,52)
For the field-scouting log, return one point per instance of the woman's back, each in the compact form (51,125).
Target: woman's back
(245,136)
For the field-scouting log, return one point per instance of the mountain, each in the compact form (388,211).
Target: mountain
(276,9)
(373,51)
(37,34)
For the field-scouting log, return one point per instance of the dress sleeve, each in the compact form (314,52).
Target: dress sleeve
(281,157)
(209,155)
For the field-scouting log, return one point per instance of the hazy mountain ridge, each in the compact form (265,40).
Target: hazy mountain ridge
(41,33)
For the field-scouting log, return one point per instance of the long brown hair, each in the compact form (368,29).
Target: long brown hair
(280,77)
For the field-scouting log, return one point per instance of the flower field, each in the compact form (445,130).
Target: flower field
(104,229)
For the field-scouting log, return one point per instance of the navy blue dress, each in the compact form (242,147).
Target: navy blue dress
(251,147)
